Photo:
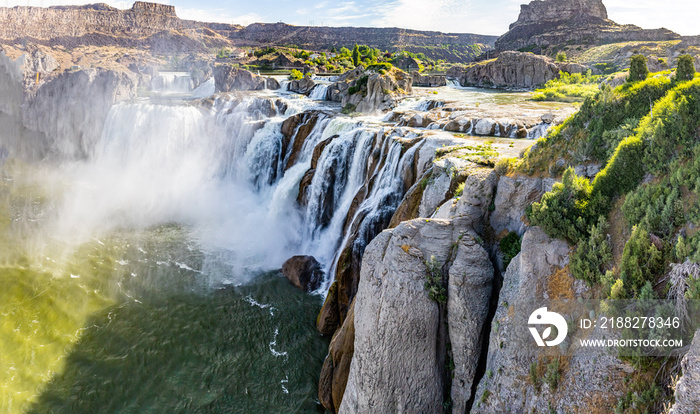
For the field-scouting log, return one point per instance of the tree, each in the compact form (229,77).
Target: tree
(638,69)
(356,55)
(686,68)
(333,50)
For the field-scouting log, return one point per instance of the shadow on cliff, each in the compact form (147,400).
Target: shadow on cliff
(195,354)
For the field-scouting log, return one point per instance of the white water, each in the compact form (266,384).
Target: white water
(221,173)
(172,82)
(319,92)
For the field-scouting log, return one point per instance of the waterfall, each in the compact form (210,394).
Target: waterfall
(172,82)
(319,93)
(231,174)
(205,89)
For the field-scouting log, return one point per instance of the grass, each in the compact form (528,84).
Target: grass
(569,88)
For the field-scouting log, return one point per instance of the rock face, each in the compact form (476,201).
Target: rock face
(229,78)
(513,196)
(367,91)
(512,69)
(304,272)
(72,127)
(303,85)
(557,22)
(534,274)
(397,324)
(688,388)
(428,80)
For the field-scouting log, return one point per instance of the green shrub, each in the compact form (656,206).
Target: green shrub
(435,283)
(641,261)
(510,247)
(552,375)
(356,55)
(561,57)
(592,255)
(562,212)
(359,84)
(295,75)
(348,109)
(658,207)
(686,68)
(378,67)
(622,174)
(534,377)
(638,69)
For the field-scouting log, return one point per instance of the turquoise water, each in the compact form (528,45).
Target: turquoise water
(134,321)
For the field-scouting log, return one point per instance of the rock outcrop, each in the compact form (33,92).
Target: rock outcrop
(397,324)
(688,387)
(428,80)
(303,272)
(64,115)
(367,91)
(558,22)
(512,69)
(303,86)
(536,273)
(229,78)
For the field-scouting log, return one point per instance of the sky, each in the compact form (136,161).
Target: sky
(490,17)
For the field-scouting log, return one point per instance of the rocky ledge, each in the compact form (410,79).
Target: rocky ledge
(229,78)
(512,69)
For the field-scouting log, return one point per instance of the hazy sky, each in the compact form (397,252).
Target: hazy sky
(460,16)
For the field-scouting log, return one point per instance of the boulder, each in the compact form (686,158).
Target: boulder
(228,78)
(302,86)
(688,387)
(304,272)
(485,127)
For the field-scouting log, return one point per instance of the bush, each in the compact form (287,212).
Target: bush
(359,84)
(641,261)
(435,285)
(510,247)
(295,75)
(561,57)
(658,207)
(686,68)
(622,174)
(348,109)
(378,67)
(592,255)
(562,212)
(638,69)
(552,376)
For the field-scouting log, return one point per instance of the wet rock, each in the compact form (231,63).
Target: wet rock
(336,366)
(272,84)
(304,272)
(485,127)
(328,319)
(303,86)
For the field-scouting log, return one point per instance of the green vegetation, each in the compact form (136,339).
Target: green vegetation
(378,67)
(435,285)
(510,247)
(638,68)
(295,75)
(648,127)
(534,376)
(592,254)
(356,55)
(561,57)
(552,375)
(359,85)
(264,51)
(348,109)
(569,87)
(686,68)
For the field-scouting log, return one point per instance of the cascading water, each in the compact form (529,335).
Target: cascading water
(173,228)
(319,92)
(172,82)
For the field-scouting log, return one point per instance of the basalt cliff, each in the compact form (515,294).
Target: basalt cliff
(583,22)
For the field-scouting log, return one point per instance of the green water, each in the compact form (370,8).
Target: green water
(135,322)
